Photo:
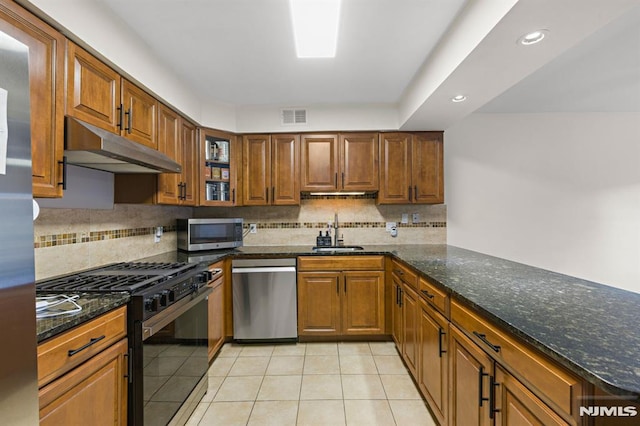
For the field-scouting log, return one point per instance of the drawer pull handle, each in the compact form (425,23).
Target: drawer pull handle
(398,271)
(483,337)
(426,293)
(92,341)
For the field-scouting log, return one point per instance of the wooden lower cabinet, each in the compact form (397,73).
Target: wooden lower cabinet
(433,360)
(340,303)
(215,327)
(410,311)
(396,311)
(517,406)
(469,372)
(93,393)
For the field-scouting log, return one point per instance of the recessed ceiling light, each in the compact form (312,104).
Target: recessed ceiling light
(315,27)
(533,37)
(459,98)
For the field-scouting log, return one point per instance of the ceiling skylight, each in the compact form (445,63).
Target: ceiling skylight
(315,27)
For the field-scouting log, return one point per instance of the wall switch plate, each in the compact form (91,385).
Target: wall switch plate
(415,218)
(253,228)
(405,218)
(390,226)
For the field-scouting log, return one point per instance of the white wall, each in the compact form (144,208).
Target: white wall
(560,191)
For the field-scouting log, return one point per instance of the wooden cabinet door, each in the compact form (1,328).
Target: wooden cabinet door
(140,110)
(215,328)
(517,406)
(190,170)
(319,162)
(395,168)
(396,312)
(169,144)
(93,393)
(410,311)
(93,90)
(358,162)
(256,160)
(433,360)
(469,371)
(285,172)
(428,168)
(46,86)
(318,303)
(363,302)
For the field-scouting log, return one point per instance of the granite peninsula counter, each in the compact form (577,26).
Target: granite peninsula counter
(589,328)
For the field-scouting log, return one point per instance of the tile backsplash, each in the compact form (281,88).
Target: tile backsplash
(361,222)
(69,240)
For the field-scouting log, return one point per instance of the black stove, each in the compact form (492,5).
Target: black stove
(153,286)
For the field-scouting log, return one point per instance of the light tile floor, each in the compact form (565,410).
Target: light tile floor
(310,384)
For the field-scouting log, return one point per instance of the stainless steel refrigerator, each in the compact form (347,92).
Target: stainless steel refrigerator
(18,363)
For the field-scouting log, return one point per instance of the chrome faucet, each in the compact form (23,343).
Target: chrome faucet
(337,241)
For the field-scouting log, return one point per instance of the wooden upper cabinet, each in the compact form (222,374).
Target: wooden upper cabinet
(98,95)
(256,158)
(395,175)
(411,168)
(358,162)
(340,162)
(271,170)
(219,159)
(427,168)
(140,111)
(169,143)
(46,82)
(285,170)
(319,162)
(93,90)
(190,169)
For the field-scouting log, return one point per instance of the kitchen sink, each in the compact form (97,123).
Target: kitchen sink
(317,249)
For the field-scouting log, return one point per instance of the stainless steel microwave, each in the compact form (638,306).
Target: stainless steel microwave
(209,234)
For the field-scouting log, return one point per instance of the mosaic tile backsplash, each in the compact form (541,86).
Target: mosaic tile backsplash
(69,240)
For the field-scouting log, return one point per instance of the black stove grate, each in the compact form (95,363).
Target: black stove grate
(126,276)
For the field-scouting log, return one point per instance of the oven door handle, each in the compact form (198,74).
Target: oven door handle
(159,321)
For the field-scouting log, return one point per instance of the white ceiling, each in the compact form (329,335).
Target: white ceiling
(242,51)
(231,63)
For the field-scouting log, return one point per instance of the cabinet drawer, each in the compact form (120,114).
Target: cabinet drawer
(341,263)
(433,295)
(556,386)
(60,354)
(405,273)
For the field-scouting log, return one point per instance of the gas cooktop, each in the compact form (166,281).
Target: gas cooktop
(131,277)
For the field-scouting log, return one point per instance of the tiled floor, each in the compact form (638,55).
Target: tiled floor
(310,384)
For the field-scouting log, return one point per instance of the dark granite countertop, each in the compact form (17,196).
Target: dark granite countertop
(92,305)
(592,329)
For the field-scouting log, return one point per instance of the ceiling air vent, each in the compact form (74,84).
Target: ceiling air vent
(293,116)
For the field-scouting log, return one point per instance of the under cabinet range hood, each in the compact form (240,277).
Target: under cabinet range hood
(89,146)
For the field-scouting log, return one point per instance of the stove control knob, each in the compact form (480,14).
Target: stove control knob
(164,298)
(171,295)
(152,304)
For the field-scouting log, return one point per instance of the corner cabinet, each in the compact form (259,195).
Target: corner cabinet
(98,95)
(271,169)
(344,162)
(46,81)
(218,170)
(412,168)
(341,295)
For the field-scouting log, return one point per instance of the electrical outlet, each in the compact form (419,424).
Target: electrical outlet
(253,228)
(415,218)
(405,218)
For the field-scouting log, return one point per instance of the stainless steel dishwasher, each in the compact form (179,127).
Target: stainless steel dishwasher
(264,300)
